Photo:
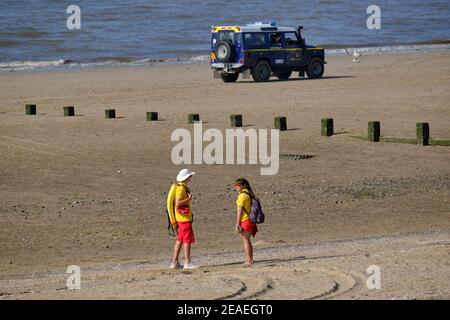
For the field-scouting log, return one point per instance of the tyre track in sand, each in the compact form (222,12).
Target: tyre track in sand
(279,273)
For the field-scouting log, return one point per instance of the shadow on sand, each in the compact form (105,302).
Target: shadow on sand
(272,262)
(295,79)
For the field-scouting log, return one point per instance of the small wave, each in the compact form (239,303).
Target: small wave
(126,60)
(30,65)
(387,45)
(378,50)
(199,58)
(111,59)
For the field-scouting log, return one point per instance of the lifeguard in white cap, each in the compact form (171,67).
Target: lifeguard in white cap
(183,214)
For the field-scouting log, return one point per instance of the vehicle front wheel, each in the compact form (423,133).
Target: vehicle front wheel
(230,77)
(261,72)
(315,68)
(283,75)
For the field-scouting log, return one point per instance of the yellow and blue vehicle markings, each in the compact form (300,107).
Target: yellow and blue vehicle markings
(225,28)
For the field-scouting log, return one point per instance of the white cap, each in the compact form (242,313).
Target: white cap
(184,174)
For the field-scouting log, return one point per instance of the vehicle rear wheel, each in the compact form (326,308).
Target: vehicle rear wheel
(230,77)
(315,68)
(225,51)
(283,75)
(262,72)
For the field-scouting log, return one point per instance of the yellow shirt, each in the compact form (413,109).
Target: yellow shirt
(244,200)
(181,194)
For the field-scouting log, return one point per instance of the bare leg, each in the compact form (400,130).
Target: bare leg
(248,247)
(187,252)
(176,251)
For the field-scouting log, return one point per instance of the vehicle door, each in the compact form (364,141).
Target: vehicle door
(276,52)
(293,49)
(255,44)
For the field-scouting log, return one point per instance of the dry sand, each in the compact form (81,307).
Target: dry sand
(90,192)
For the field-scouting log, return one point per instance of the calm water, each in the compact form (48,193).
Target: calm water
(33,33)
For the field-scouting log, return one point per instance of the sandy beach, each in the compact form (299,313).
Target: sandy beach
(91,191)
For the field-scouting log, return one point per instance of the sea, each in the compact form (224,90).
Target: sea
(34,34)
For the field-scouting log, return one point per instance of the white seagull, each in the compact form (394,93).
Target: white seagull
(356,56)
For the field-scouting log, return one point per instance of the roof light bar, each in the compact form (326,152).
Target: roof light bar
(263,23)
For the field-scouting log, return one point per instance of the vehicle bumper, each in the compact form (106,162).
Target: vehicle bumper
(226,67)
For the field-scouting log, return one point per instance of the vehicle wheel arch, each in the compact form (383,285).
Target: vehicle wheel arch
(315,56)
(264,59)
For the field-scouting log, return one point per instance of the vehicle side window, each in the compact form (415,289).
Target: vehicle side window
(255,40)
(275,39)
(291,39)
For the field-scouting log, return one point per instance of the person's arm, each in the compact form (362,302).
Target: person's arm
(181,202)
(237,228)
(239,215)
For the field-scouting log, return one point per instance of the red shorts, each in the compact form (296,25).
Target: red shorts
(249,226)
(185,232)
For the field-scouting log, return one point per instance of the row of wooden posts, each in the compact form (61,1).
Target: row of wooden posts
(327,126)
(236,119)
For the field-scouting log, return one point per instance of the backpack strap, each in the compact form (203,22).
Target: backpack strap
(250,200)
